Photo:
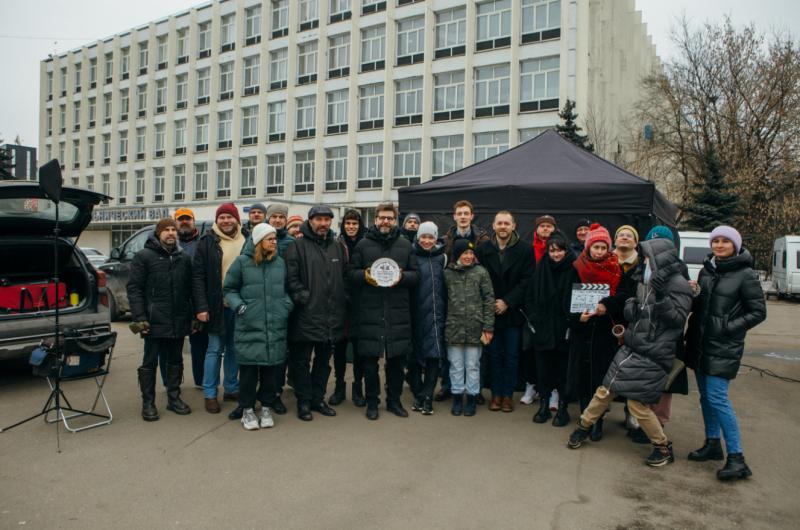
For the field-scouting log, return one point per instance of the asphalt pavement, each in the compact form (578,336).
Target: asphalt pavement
(494,470)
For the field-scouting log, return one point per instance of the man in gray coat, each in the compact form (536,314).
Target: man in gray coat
(641,367)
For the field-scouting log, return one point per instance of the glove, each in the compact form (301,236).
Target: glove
(141,327)
(369,279)
(196,326)
(659,284)
(241,310)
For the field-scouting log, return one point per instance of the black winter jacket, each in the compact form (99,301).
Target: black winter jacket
(509,278)
(730,303)
(429,303)
(655,324)
(547,302)
(316,278)
(207,282)
(160,290)
(382,315)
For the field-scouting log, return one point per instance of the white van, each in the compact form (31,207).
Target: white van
(786,266)
(694,251)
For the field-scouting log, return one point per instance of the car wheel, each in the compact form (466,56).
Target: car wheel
(112,308)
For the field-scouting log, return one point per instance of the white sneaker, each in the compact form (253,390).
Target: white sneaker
(266,418)
(249,420)
(554,400)
(529,395)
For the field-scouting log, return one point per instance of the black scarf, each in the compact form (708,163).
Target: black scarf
(552,292)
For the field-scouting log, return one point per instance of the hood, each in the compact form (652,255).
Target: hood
(513,240)
(361,228)
(661,254)
(24,210)
(384,239)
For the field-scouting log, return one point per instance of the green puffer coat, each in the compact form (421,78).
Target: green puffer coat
(470,304)
(261,331)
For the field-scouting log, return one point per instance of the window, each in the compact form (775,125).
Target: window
(49,122)
(161,96)
(92,111)
(448,154)
(142,58)
(451,32)
(77,77)
(76,115)
(107,108)
(370,166)
(247,177)
(304,171)
(541,20)
(158,184)
(489,144)
(76,154)
(203,85)
(371,107)
(49,85)
(373,48)
(309,14)
(62,118)
(226,81)
(161,52)
(182,54)
(372,6)
(492,88)
(62,151)
(411,41)
(180,137)
(201,181)
(539,84)
(494,24)
(139,186)
(160,136)
(181,90)
(90,151)
(336,169)
(407,162)
(276,114)
(250,125)
(307,63)
(90,182)
(140,143)
(223,178)
(227,32)
(178,182)
(339,10)
(277,68)
(201,133)
(108,68)
(339,56)
(122,187)
(141,100)
(124,104)
(62,81)
(337,112)
(106,149)
(252,25)
(123,146)
(448,96)
(204,40)
(224,124)
(533,132)
(408,101)
(251,75)
(125,63)
(280,18)
(92,73)
(306,116)
(275,164)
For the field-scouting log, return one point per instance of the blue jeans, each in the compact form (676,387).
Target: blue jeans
(717,410)
(217,345)
(465,369)
(504,359)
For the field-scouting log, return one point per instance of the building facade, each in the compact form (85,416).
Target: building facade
(334,101)
(21,161)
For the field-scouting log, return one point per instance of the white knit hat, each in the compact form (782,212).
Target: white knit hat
(261,231)
(428,228)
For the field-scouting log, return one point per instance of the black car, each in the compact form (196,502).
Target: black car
(27,263)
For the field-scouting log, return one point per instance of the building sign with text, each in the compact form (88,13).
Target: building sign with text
(123,215)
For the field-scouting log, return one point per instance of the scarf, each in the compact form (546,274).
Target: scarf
(605,270)
(539,247)
(231,248)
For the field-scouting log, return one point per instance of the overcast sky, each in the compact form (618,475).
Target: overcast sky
(30,30)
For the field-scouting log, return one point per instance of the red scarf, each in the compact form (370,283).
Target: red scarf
(604,271)
(539,246)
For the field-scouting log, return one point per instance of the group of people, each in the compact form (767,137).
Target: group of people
(466,310)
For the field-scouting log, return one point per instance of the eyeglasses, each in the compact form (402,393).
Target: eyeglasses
(386,218)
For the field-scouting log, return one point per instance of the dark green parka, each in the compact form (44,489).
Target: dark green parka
(470,304)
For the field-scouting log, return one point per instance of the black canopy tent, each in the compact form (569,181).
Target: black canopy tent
(545,175)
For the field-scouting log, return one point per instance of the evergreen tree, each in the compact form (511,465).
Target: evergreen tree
(570,129)
(5,163)
(711,205)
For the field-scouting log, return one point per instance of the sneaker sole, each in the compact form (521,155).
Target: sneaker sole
(661,463)
(574,445)
(250,428)
(267,426)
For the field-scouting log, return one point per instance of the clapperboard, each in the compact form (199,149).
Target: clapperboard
(586,296)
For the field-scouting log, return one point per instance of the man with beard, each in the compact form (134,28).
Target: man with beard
(255,216)
(581,232)
(384,313)
(216,250)
(315,267)
(352,231)
(410,226)
(276,217)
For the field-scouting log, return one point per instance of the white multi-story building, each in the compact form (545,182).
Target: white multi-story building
(334,101)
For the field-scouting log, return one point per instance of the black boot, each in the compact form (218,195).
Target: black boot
(471,406)
(458,405)
(562,415)
(338,395)
(278,407)
(174,401)
(543,413)
(323,408)
(358,396)
(372,410)
(427,407)
(396,408)
(597,431)
(578,436)
(711,450)
(147,383)
(735,468)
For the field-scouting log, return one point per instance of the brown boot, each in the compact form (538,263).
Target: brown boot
(495,405)
(508,405)
(212,405)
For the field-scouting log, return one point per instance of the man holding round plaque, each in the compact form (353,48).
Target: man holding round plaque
(383,271)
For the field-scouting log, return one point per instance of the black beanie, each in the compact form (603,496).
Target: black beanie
(460,246)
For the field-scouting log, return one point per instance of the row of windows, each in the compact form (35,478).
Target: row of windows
(539,88)
(540,19)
